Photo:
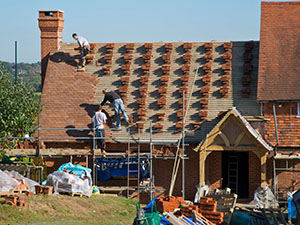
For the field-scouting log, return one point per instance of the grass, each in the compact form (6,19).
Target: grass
(64,209)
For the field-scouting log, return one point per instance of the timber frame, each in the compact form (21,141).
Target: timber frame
(233,133)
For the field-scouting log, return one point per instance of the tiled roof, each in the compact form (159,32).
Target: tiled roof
(152,77)
(279,58)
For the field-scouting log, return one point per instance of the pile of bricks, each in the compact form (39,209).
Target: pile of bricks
(247,69)
(21,187)
(17,197)
(108,57)
(16,200)
(169,203)
(207,208)
(166,150)
(45,190)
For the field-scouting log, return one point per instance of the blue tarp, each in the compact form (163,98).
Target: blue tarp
(76,169)
(292,211)
(108,168)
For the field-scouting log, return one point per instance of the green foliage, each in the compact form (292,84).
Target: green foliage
(19,109)
(29,72)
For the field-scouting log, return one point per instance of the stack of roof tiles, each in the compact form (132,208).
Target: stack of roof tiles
(151,78)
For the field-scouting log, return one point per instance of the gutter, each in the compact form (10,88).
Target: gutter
(146,141)
(163,142)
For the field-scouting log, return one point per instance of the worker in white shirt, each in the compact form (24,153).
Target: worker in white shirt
(84,47)
(99,120)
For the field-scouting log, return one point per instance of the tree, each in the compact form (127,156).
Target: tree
(19,110)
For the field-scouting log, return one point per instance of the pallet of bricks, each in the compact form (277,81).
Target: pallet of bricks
(206,208)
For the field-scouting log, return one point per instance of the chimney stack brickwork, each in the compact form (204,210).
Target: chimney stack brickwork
(51,24)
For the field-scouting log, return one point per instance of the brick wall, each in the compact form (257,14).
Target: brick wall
(163,171)
(213,170)
(287,122)
(254,174)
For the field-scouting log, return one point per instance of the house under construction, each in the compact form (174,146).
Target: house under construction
(233,106)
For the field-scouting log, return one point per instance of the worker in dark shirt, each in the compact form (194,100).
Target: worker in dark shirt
(117,103)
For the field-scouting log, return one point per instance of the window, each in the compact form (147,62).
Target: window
(298,109)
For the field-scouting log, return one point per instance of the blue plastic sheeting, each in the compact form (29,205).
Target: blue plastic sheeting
(291,209)
(108,168)
(148,207)
(76,169)
(164,221)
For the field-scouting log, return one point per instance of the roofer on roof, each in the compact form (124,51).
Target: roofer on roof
(117,103)
(84,47)
(99,120)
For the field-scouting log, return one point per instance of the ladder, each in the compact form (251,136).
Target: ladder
(233,165)
(133,167)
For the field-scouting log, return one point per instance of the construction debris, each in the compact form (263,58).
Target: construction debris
(207,207)
(169,203)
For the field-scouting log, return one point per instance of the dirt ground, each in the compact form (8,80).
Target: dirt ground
(64,209)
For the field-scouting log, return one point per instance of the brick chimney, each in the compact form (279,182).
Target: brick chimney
(51,24)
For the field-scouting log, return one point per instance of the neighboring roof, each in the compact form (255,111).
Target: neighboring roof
(234,112)
(70,97)
(279,53)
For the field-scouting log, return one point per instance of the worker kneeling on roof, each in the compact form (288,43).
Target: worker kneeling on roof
(84,47)
(117,103)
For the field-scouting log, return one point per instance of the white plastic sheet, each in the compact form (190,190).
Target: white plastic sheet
(30,183)
(264,198)
(70,183)
(7,182)
(201,192)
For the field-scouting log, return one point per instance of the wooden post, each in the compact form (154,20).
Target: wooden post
(263,164)
(202,158)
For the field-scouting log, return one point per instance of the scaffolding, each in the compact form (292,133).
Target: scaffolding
(134,150)
(279,194)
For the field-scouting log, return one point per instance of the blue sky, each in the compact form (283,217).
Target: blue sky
(128,21)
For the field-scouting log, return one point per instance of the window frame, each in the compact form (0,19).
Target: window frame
(298,109)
